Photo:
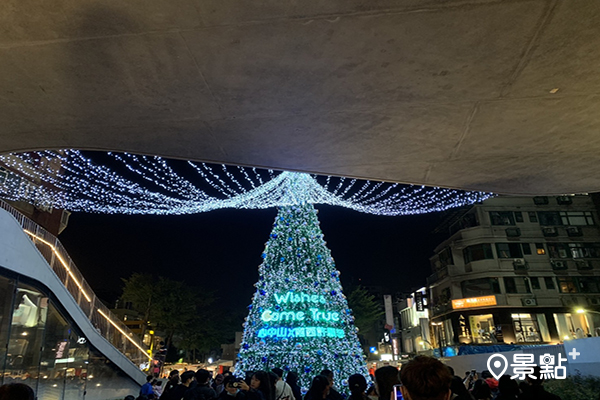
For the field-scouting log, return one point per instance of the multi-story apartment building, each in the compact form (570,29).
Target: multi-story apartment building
(518,270)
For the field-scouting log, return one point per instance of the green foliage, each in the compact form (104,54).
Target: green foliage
(182,314)
(575,387)
(367,311)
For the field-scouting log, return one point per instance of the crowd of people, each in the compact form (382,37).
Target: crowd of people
(423,378)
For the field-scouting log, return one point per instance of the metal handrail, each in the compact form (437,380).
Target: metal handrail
(59,261)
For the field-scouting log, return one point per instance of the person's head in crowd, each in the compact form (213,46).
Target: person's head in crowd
(329,374)
(203,376)
(291,378)
(174,376)
(227,373)
(481,390)
(385,379)
(262,381)
(458,387)
(16,391)
(450,369)
(319,388)
(187,377)
(357,385)
(149,378)
(425,378)
(230,383)
(219,379)
(278,372)
(508,387)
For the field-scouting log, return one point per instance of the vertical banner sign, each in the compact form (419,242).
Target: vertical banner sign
(389,312)
(419,301)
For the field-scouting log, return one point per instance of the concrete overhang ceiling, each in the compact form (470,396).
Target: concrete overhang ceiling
(496,95)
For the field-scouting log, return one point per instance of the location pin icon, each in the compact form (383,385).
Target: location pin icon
(498,366)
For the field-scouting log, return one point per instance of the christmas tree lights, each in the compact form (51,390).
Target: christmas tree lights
(299,319)
(133,184)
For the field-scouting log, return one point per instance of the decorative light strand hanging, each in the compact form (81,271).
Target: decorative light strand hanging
(125,183)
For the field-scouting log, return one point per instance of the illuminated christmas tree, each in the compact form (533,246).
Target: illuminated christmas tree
(299,319)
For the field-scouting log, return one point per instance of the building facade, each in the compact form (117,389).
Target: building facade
(518,270)
(415,334)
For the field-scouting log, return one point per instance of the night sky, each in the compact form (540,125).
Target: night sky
(220,250)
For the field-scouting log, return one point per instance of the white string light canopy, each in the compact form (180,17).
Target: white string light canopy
(123,183)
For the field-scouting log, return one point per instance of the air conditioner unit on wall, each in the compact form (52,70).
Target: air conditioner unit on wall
(529,302)
(568,301)
(520,264)
(594,301)
(583,265)
(550,231)
(558,264)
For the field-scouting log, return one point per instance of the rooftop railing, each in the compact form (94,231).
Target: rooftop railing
(59,261)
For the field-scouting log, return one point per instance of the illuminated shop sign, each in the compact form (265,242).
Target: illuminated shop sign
(474,302)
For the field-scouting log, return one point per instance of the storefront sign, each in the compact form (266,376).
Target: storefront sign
(419,301)
(474,302)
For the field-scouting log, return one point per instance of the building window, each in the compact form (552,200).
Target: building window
(478,252)
(518,216)
(526,248)
(540,200)
(584,250)
(510,285)
(535,283)
(509,250)
(483,328)
(558,250)
(539,249)
(530,328)
(445,257)
(574,250)
(480,287)
(589,284)
(502,218)
(549,281)
(576,218)
(467,221)
(532,216)
(516,285)
(549,218)
(566,284)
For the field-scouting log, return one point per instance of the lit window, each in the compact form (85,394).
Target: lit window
(539,249)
